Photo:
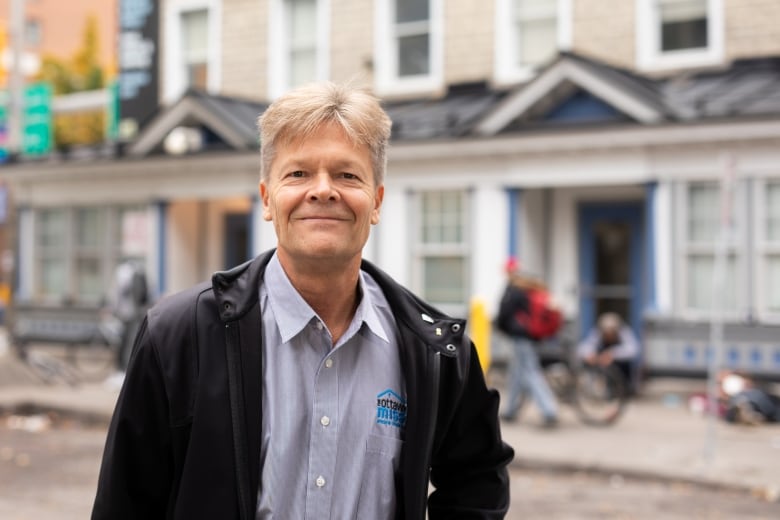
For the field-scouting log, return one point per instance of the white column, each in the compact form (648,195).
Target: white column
(489,235)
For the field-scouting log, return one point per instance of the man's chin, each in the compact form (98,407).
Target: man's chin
(323,253)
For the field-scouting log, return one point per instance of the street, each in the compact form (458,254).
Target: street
(48,469)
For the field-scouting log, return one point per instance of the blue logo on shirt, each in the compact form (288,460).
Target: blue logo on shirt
(390,409)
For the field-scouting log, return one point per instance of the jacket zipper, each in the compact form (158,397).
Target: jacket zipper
(240,448)
(433,416)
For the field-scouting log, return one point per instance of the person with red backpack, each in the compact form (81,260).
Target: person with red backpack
(526,315)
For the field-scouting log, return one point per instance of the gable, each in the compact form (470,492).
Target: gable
(573,89)
(203,122)
(583,107)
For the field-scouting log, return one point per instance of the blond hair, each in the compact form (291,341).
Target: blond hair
(302,111)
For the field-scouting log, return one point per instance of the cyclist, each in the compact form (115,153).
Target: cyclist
(612,343)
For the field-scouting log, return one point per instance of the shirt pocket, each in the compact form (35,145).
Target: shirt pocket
(377,491)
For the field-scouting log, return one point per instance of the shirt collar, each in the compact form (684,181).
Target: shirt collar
(292,314)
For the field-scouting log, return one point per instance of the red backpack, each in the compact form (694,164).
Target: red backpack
(543,320)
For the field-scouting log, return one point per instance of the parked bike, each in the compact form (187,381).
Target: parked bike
(68,351)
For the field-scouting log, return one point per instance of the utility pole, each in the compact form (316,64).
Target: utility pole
(16,78)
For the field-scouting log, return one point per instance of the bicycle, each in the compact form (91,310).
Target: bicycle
(597,394)
(85,350)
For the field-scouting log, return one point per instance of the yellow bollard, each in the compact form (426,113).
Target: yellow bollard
(480,331)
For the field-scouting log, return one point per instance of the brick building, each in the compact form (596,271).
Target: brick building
(594,139)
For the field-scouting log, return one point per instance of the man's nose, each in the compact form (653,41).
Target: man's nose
(323,187)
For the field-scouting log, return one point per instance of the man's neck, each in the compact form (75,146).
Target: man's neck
(331,292)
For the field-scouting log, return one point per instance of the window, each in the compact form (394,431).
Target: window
(298,43)
(679,33)
(50,241)
(534,30)
(771,287)
(412,45)
(90,243)
(191,46)
(303,43)
(704,232)
(194,45)
(409,53)
(683,24)
(529,34)
(442,248)
(78,249)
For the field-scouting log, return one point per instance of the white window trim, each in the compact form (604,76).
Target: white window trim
(420,251)
(386,81)
(763,249)
(506,72)
(174,76)
(649,56)
(736,248)
(278,65)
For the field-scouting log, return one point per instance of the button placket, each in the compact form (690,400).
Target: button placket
(323,437)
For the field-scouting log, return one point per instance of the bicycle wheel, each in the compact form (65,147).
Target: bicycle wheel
(559,377)
(600,395)
(93,360)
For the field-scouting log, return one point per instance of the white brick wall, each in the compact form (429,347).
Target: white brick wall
(244,48)
(602,29)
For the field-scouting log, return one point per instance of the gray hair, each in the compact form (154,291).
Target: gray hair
(302,111)
(610,322)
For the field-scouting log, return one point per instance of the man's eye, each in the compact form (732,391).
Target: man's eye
(296,174)
(350,176)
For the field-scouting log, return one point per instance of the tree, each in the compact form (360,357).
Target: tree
(81,72)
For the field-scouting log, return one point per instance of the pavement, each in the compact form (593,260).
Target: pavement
(658,437)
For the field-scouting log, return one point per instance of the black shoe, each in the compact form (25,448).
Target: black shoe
(550,422)
(507,417)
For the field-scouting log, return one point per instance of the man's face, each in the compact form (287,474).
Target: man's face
(610,336)
(320,195)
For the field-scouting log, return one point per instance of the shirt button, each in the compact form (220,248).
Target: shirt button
(318,325)
(328,363)
(320,481)
(325,421)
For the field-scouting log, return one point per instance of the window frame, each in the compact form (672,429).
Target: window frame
(279,48)
(648,39)
(386,79)
(736,248)
(420,250)
(107,252)
(174,70)
(764,249)
(507,71)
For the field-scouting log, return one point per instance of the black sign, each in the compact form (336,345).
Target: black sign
(139,24)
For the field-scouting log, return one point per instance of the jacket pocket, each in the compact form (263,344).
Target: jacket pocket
(377,492)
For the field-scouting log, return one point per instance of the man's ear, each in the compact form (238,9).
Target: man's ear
(265,197)
(378,197)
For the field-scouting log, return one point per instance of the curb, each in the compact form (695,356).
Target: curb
(767,493)
(85,417)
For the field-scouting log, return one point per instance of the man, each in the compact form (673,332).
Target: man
(612,343)
(306,383)
(129,306)
(525,372)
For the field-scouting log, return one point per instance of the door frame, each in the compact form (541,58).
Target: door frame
(589,213)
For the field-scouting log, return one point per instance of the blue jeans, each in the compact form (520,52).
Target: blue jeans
(525,377)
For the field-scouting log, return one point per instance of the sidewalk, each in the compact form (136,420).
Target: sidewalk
(657,438)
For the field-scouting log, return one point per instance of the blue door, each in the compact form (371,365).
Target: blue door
(611,238)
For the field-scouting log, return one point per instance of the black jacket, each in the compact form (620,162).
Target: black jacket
(514,300)
(184,441)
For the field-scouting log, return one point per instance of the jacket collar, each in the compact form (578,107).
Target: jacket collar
(236,292)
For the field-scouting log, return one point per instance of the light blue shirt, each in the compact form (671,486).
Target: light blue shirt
(333,415)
